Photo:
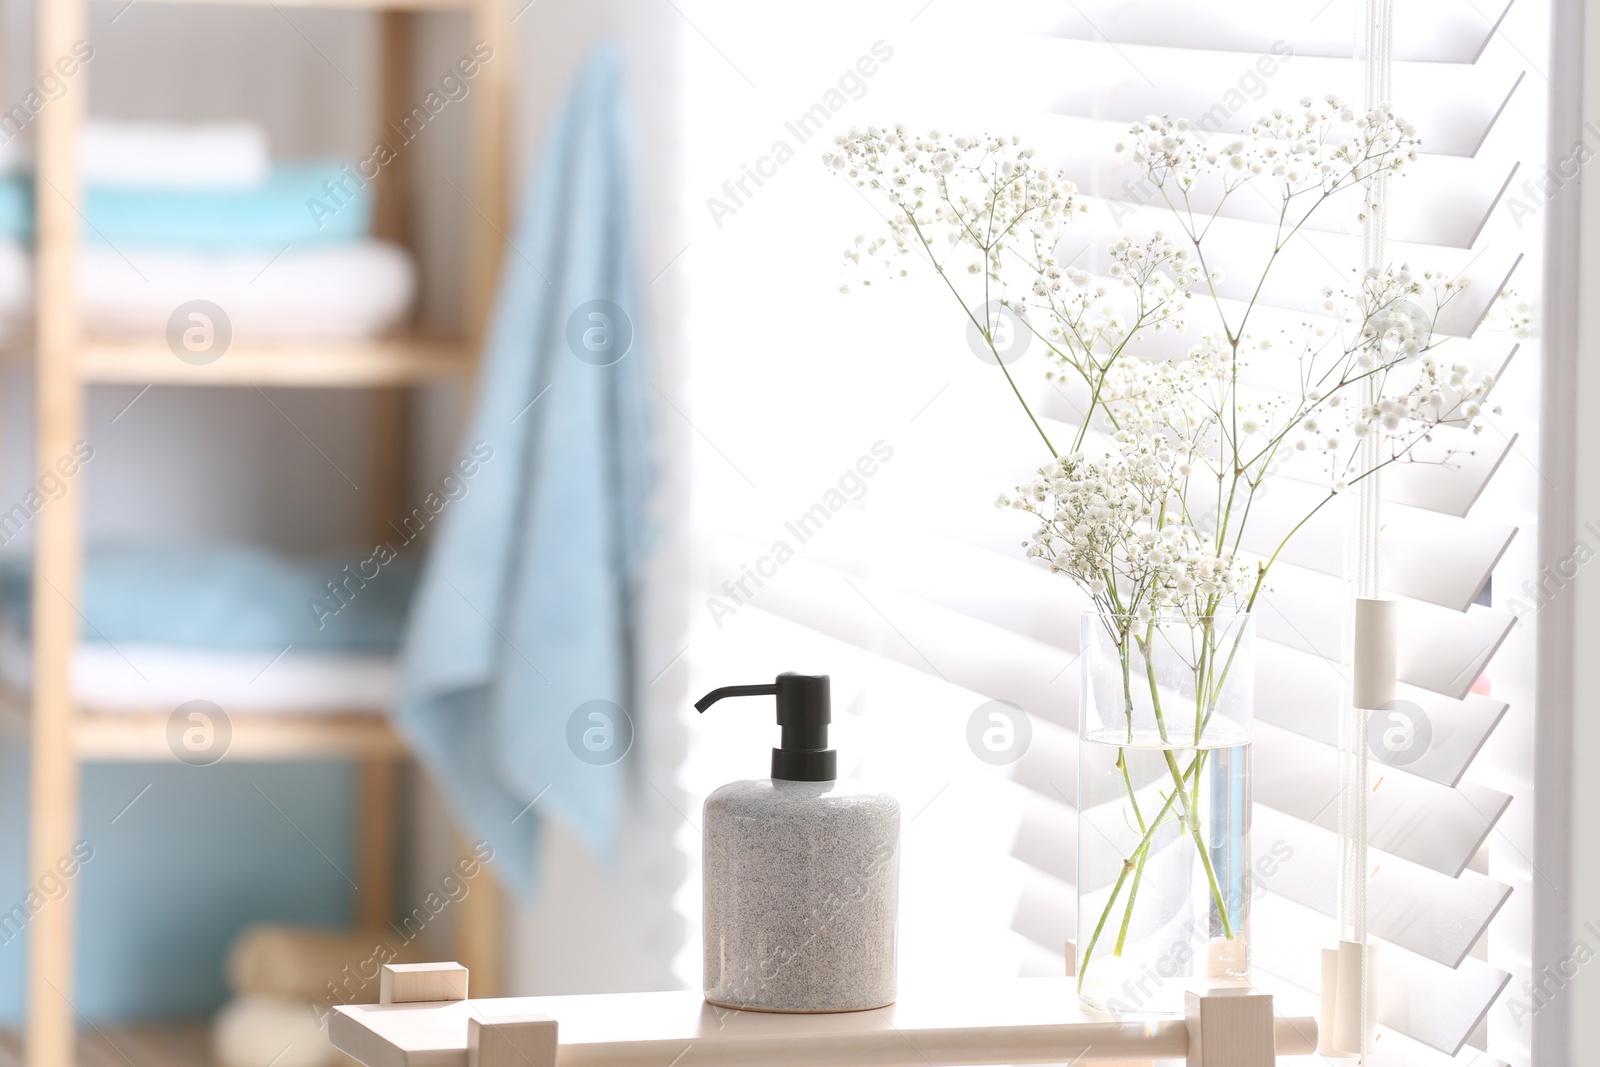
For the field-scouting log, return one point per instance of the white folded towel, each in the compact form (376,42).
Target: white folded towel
(160,155)
(332,292)
(327,293)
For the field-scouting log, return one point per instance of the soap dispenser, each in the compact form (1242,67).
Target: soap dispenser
(802,872)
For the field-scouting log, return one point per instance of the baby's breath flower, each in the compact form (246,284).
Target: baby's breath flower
(1146,510)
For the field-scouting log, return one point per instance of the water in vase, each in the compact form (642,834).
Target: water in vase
(1163,866)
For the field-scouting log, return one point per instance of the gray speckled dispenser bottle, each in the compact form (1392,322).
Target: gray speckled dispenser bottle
(802,873)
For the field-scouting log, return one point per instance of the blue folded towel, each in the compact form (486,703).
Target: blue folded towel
(228,598)
(301,204)
(522,628)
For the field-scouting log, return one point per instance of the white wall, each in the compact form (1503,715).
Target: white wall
(597,926)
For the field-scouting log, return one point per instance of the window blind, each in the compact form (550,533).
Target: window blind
(910,588)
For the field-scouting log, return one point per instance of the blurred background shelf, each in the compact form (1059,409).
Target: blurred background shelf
(184,1044)
(63,727)
(141,736)
(376,363)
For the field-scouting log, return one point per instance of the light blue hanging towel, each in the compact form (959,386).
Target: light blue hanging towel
(518,651)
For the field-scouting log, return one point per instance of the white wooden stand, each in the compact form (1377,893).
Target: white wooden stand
(1024,1020)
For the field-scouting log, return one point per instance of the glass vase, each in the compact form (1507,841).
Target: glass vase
(1166,721)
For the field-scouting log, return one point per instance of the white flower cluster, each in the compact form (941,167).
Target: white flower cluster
(1322,144)
(1513,314)
(967,197)
(1146,508)
(1390,326)
(1157,277)
(1115,527)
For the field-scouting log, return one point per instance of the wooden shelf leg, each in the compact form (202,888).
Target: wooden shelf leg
(377,835)
(51,1017)
(58,552)
(489,217)
(480,933)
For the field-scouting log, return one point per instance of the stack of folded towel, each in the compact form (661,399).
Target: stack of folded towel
(171,623)
(179,213)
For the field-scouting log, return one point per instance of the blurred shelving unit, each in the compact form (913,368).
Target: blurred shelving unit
(62,735)
(390,362)
(182,1045)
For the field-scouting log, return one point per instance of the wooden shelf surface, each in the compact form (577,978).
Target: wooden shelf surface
(133,736)
(379,362)
(263,736)
(1025,1020)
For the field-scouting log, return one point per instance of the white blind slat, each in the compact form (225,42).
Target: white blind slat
(1441,650)
(1436,1005)
(1425,556)
(1455,105)
(1443,202)
(1303,694)
(1418,820)
(1446,31)
(1047,837)
(1459,104)
(1046,914)
(1420,910)
(1450,651)
(1488,353)
(1446,474)
(1316,259)
(1449,473)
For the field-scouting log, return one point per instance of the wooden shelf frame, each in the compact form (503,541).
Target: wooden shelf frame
(130,737)
(1023,1020)
(121,735)
(60,734)
(377,363)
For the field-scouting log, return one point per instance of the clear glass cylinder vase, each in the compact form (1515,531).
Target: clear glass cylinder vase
(1166,722)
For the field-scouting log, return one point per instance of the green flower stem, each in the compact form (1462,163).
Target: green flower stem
(1127,705)
(1215,695)
(1133,798)
(1150,674)
(1202,696)
(1083,967)
(1127,866)
(1191,800)
(1193,821)
(1133,893)
(1186,784)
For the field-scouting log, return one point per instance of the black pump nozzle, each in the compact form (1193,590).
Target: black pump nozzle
(804,711)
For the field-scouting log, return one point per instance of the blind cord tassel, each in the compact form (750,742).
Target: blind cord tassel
(1349,986)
